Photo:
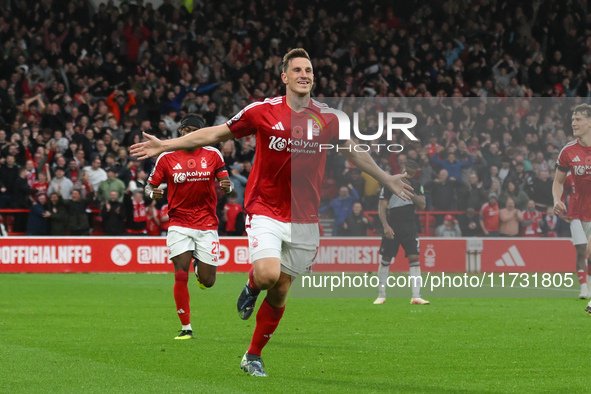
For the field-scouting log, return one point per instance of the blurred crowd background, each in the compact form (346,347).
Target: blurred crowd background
(492,83)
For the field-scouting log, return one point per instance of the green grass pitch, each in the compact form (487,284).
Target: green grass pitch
(99,333)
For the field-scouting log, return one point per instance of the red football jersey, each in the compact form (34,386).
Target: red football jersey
(164,224)
(577,158)
(282,145)
(190,177)
(533,229)
(490,216)
(41,187)
(232,211)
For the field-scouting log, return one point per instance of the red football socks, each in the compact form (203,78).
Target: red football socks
(582,277)
(251,283)
(181,296)
(268,319)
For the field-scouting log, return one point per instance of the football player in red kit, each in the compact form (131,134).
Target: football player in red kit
(193,232)
(282,229)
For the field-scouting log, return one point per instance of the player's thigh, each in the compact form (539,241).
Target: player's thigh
(180,246)
(578,236)
(207,246)
(587,229)
(389,247)
(410,244)
(265,237)
(182,262)
(300,251)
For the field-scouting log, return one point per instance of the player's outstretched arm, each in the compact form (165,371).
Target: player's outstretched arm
(365,163)
(207,136)
(557,190)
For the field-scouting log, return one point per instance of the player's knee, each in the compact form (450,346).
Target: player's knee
(207,281)
(386,262)
(266,280)
(413,261)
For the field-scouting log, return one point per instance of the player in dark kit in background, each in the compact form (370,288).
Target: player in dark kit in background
(190,176)
(282,229)
(400,224)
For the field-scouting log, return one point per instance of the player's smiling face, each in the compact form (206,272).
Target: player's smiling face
(581,124)
(299,77)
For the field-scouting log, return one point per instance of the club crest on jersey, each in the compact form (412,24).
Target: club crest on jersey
(191,163)
(203,162)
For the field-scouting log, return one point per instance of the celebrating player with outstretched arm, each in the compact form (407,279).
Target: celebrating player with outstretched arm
(282,230)
(192,200)
(575,157)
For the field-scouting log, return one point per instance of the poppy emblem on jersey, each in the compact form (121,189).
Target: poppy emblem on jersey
(203,162)
(588,161)
(191,163)
(297,132)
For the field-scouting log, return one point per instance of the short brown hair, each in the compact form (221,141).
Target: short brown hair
(294,53)
(583,109)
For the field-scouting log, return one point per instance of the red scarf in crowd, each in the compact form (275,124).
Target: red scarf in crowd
(139,212)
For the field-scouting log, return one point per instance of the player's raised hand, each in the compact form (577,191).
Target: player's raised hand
(399,185)
(145,149)
(227,186)
(559,208)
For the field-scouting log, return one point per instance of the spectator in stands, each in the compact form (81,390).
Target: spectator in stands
(443,191)
(551,224)
(56,215)
(341,207)
(164,219)
(8,175)
(353,179)
(449,228)
(113,215)
(233,216)
(475,193)
(111,184)
(96,174)
(152,219)
(532,221)
(542,191)
(471,223)
(357,224)
(60,184)
(518,196)
(490,216)
(453,167)
(135,213)
(77,217)
(239,181)
(37,222)
(509,219)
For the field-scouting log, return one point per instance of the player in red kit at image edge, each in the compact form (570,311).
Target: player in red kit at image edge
(192,199)
(576,158)
(282,226)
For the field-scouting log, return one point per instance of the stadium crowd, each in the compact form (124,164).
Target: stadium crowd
(492,84)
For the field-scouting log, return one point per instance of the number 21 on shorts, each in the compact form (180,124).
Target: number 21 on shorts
(215,250)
